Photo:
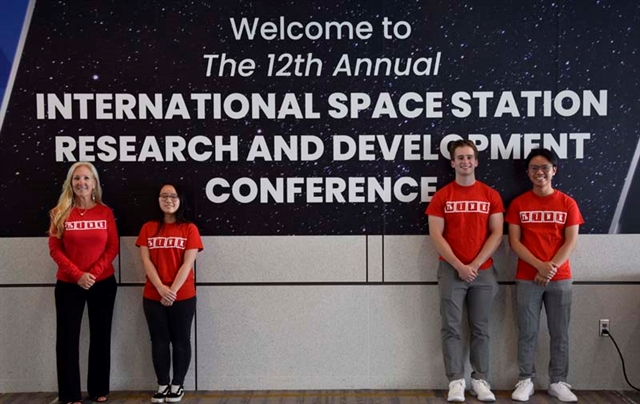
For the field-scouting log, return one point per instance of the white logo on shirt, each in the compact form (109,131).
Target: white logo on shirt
(86,225)
(467,206)
(543,216)
(166,242)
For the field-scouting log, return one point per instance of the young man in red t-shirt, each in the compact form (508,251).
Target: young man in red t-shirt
(543,231)
(465,224)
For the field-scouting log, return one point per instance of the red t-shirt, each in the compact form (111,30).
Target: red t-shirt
(542,221)
(466,212)
(166,250)
(89,243)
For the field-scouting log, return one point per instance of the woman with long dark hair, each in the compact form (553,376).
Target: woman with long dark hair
(168,247)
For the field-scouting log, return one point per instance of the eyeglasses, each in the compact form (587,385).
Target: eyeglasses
(546,168)
(166,197)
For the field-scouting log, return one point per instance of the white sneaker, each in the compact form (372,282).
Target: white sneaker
(482,390)
(456,391)
(524,390)
(563,392)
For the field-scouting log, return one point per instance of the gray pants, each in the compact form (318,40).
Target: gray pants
(556,297)
(478,296)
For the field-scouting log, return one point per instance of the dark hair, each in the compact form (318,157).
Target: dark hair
(158,214)
(462,143)
(546,153)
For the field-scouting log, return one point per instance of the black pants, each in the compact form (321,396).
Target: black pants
(70,302)
(170,328)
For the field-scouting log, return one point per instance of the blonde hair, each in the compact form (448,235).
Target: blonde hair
(61,211)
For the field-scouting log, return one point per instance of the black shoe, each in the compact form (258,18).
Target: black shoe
(175,397)
(160,396)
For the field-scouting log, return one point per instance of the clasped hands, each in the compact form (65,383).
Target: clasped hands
(167,295)
(86,280)
(546,272)
(468,273)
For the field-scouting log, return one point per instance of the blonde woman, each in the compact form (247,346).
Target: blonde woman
(83,241)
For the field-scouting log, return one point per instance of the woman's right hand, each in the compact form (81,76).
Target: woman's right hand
(165,302)
(167,294)
(86,281)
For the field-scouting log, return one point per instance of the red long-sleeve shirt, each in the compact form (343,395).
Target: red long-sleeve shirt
(89,244)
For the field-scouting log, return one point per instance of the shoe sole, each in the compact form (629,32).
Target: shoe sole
(486,400)
(559,399)
(520,400)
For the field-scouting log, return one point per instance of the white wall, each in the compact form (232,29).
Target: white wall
(319,312)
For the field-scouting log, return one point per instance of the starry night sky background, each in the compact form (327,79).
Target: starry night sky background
(140,47)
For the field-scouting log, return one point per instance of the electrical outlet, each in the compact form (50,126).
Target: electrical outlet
(604,326)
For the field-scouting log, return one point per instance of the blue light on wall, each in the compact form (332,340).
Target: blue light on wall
(12,14)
